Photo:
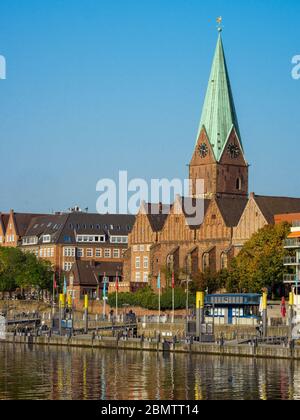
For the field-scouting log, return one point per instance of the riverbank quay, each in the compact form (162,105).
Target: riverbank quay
(140,344)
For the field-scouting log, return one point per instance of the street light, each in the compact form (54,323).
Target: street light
(187,281)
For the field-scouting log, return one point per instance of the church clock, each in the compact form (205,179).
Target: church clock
(203,150)
(233,151)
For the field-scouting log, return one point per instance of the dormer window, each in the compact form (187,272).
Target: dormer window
(46,239)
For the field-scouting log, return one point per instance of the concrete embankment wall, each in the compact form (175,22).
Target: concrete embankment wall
(229,332)
(275,352)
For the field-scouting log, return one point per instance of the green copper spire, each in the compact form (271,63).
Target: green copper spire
(218,115)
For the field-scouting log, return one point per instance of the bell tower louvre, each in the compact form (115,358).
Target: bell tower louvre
(219,158)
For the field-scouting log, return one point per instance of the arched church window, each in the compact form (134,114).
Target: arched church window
(224,261)
(205,262)
(239,184)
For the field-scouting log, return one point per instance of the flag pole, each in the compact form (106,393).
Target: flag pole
(104,297)
(173,298)
(159,296)
(53,294)
(117,291)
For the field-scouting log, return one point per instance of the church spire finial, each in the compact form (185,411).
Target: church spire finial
(219,21)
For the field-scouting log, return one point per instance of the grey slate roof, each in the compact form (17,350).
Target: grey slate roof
(232,209)
(64,227)
(86,273)
(270,206)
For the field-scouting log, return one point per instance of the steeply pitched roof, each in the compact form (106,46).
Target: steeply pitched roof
(4,217)
(219,114)
(201,203)
(22,222)
(93,224)
(63,227)
(232,209)
(51,224)
(87,274)
(157,215)
(270,206)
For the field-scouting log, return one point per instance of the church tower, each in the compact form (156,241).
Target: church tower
(218,157)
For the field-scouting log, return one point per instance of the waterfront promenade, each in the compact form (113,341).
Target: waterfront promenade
(161,345)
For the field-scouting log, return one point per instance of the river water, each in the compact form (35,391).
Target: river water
(65,374)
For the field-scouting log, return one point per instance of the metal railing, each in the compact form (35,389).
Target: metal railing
(291,261)
(290,278)
(292,243)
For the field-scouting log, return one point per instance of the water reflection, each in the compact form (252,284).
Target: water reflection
(56,373)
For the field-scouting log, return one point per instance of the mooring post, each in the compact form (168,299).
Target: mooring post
(200,303)
(61,311)
(291,314)
(86,314)
(265,314)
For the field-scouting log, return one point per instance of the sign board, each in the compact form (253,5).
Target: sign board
(67,323)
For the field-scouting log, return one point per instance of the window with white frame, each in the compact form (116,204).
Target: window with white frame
(146,263)
(67,266)
(41,252)
(98,253)
(116,253)
(135,248)
(107,253)
(48,252)
(137,263)
(46,239)
(146,277)
(80,252)
(89,253)
(52,252)
(90,238)
(69,252)
(142,248)
(10,238)
(31,240)
(119,239)
(137,277)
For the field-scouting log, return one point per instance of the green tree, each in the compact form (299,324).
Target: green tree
(23,270)
(260,262)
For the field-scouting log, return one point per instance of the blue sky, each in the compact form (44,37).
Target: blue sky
(98,86)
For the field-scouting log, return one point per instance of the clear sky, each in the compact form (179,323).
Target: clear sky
(98,86)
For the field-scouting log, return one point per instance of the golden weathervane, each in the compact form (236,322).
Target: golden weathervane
(219,21)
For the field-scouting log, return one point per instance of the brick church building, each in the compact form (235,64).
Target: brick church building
(164,243)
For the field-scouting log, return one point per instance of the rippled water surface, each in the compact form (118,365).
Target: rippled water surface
(56,373)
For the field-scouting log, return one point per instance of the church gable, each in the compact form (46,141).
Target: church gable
(176,227)
(233,153)
(214,226)
(252,220)
(142,232)
(203,154)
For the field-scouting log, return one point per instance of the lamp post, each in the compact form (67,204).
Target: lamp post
(187,281)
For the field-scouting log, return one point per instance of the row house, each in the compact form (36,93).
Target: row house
(13,227)
(63,239)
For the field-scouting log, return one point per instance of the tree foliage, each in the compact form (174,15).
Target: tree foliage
(260,263)
(23,270)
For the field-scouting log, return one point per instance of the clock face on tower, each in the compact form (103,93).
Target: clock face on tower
(233,151)
(203,150)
